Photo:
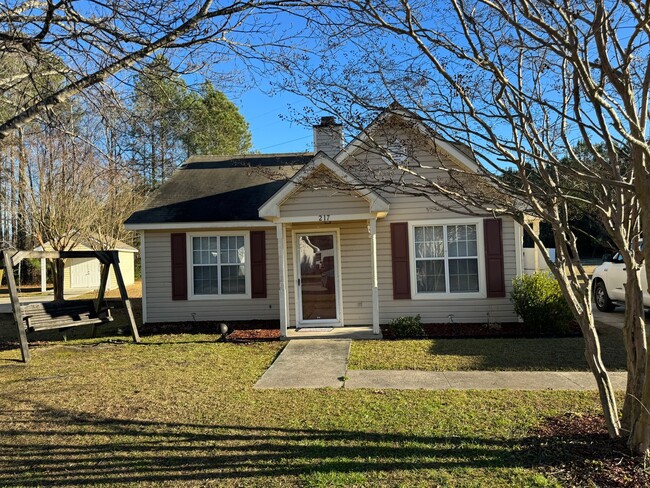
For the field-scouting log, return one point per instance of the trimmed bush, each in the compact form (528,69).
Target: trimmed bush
(539,302)
(405,327)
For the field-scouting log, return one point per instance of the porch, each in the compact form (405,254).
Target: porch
(362,333)
(327,249)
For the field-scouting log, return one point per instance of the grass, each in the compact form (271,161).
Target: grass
(134,291)
(182,410)
(561,354)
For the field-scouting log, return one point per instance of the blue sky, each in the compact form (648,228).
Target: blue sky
(271,133)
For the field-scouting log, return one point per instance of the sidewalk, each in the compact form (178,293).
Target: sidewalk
(308,363)
(322,363)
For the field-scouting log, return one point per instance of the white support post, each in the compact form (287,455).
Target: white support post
(519,249)
(143,278)
(284,318)
(536,231)
(372,229)
(43,275)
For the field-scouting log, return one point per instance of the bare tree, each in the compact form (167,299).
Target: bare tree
(93,41)
(519,84)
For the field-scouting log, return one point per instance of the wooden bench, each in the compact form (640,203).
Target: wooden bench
(63,314)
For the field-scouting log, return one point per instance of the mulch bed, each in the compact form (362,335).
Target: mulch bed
(239,331)
(210,327)
(576,450)
(475,330)
(253,335)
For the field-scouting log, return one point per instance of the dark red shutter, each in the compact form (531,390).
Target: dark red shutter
(179,266)
(258,264)
(399,244)
(494,272)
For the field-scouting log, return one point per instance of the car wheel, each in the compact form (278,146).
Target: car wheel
(603,303)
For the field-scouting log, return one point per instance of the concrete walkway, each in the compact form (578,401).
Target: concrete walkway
(322,363)
(308,363)
(478,380)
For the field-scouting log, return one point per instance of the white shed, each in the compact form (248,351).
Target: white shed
(85,273)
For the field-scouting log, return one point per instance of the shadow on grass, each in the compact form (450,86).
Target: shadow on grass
(55,447)
(534,353)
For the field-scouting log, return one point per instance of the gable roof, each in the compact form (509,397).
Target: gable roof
(271,208)
(224,190)
(218,189)
(460,152)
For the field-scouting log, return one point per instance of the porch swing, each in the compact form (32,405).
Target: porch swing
(64,314)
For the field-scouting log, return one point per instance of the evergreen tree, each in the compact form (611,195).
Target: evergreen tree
(169,122)
(215,124)
(158,120)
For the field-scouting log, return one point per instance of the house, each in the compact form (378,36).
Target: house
(85,273)
(301,239)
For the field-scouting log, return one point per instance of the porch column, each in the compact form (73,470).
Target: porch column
(372,229)
(284,319)
(536,231)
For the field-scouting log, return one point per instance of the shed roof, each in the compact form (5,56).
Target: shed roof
(89,244)
(219,188)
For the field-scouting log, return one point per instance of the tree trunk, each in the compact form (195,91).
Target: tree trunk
(639,440)
(636,347)
(605,390)
(58,267)
(21,210)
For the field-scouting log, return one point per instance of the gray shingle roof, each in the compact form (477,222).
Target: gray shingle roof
(213,188)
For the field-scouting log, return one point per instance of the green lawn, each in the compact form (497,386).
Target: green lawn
(562,354)
(181,410)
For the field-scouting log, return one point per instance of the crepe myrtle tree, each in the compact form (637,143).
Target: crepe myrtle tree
(518,84)
(95,41)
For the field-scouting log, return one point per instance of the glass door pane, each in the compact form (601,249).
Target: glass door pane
(317,277)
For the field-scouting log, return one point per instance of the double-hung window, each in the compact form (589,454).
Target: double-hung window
(446,259)
(219,265)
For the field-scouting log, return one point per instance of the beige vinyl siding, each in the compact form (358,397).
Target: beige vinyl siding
(405,208)
(438,310)
(356,279)
(161,307)
(312,203)
(426,159)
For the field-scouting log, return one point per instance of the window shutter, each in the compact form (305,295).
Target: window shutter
(179,266)
(399,244)
(494,272)
(258,264)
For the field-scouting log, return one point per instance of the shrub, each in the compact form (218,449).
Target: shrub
(539,302)
(404,327)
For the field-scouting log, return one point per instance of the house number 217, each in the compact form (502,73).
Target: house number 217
(324,218)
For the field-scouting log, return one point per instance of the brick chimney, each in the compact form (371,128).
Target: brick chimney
(328,136)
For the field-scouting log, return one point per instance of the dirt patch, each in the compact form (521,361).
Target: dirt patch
(476,330)
(577,451)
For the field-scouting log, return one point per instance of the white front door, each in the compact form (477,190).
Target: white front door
(318,280)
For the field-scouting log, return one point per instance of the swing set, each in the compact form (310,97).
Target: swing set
(63,314)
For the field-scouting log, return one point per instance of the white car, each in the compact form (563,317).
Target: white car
(608,284)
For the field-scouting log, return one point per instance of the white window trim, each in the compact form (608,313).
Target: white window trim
(480,251)
(190,265)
